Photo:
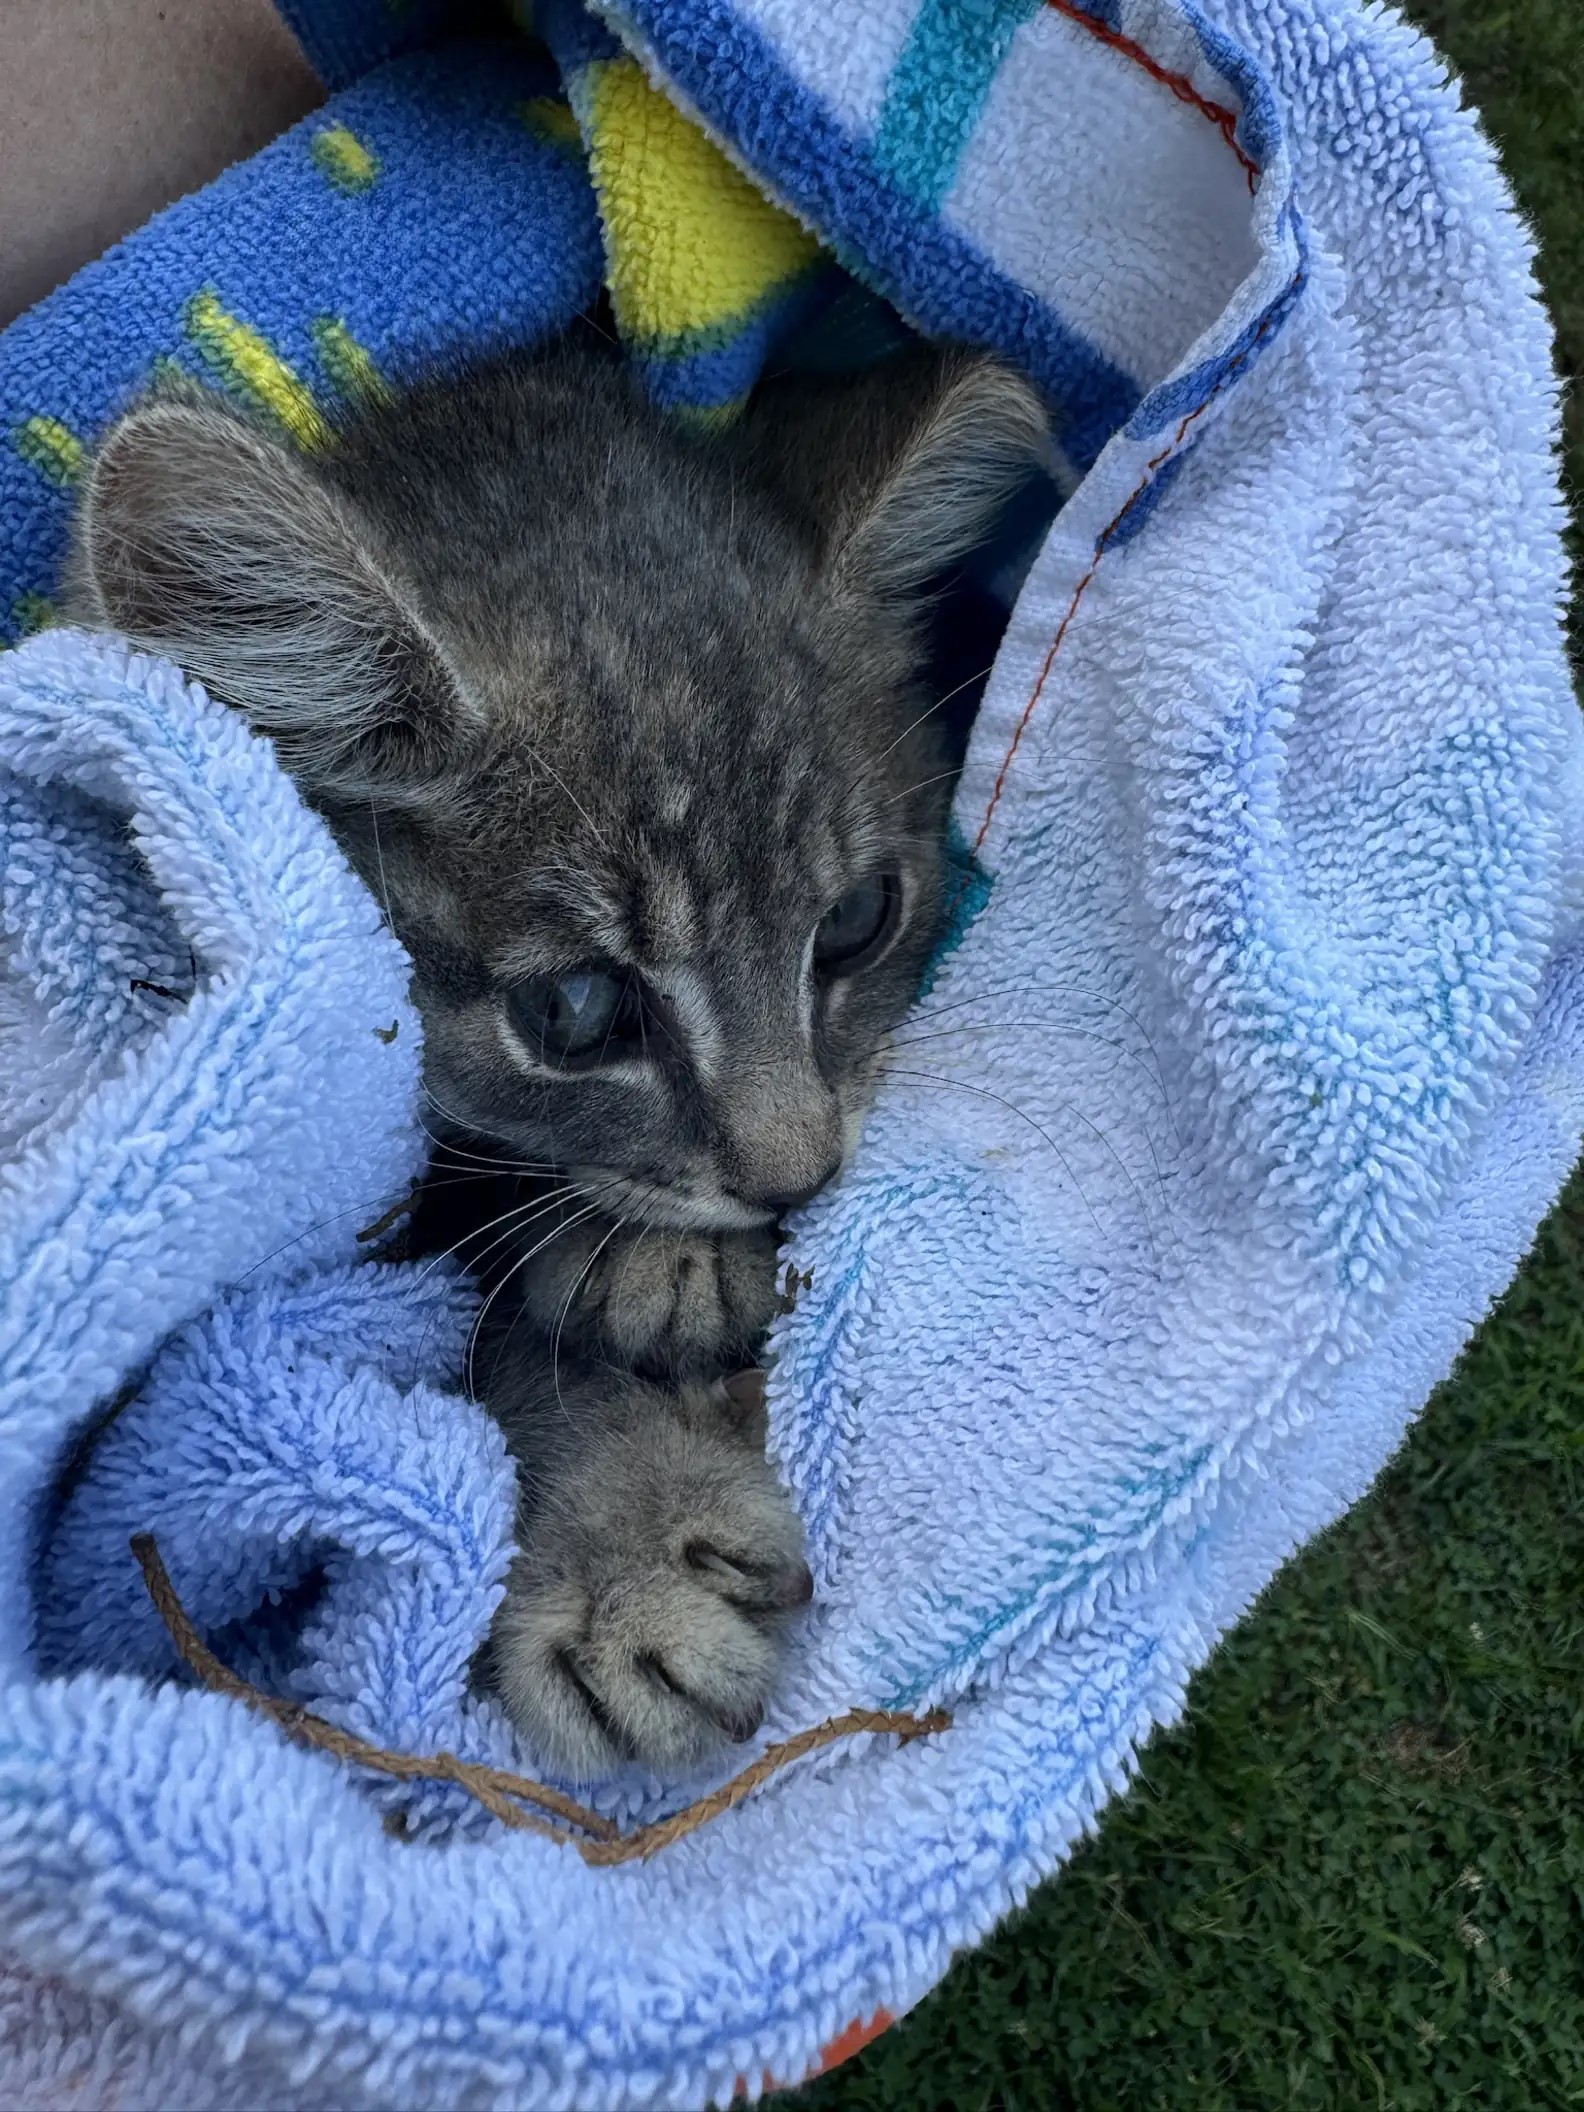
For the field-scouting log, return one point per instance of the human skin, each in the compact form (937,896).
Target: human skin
(110,109)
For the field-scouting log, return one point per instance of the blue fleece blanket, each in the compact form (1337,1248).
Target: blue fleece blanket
(1255,1060)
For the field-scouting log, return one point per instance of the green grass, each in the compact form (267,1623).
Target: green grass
(1522,63)
(1355,1875)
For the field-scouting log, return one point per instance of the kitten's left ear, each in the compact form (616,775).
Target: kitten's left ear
(206,538)
(901,472)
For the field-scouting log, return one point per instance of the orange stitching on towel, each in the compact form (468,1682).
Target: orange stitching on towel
(1224,120)
(1104,544)
(493,1787)
(844,2047)
(1028,709)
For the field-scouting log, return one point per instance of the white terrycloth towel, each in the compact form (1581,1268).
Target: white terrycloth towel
(1256,1058)
(1278,793)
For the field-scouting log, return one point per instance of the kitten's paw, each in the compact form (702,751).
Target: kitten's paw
(645,1616)
(655,1301)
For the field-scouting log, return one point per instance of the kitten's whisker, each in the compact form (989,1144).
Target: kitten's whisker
(1045,1026)
(357,1209)
(1021,983)
(566,1307)
(505,1340)
(549,768)
(501,1348)
(1021,986)
(521,1262)
(460,1128)
(444,1158)
(487,1162)
(352,1210)
(379,861)
(577,1217)
(983,1093)
(517,1219)
(645,1232)
(1105,1140)
(939,704)
(1095,1126)
(449,1178)
(537,1206)
(307,1232)
(575,1191)
(466,1128)
(461,1150)
(908,791)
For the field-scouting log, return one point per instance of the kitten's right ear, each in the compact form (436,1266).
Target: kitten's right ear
(900,471)
(204,539)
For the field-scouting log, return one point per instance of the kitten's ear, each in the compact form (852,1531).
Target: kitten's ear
(204,539)
(901,472)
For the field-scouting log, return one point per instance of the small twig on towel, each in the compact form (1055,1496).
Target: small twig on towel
(393,1216)
(645,1841)
(492,1786)
(501,1793)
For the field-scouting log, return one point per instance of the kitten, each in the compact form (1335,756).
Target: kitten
(625,728)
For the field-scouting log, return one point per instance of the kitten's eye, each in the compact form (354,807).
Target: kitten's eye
(579,1014)
(854,930)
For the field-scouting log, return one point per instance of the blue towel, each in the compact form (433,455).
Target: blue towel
(1256,1058)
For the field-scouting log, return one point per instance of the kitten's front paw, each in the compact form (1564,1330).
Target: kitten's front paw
(655,1301)
(645,1615)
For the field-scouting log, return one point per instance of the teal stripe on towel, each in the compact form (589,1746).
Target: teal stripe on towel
(938,88)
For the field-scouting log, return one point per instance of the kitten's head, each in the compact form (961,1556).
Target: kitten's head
(624,727)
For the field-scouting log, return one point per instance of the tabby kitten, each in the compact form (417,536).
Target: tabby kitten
(625,728)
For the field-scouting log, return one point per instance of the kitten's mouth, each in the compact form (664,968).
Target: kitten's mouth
(668,1209)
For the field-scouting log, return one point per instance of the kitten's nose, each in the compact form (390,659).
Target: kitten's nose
(780,1134)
